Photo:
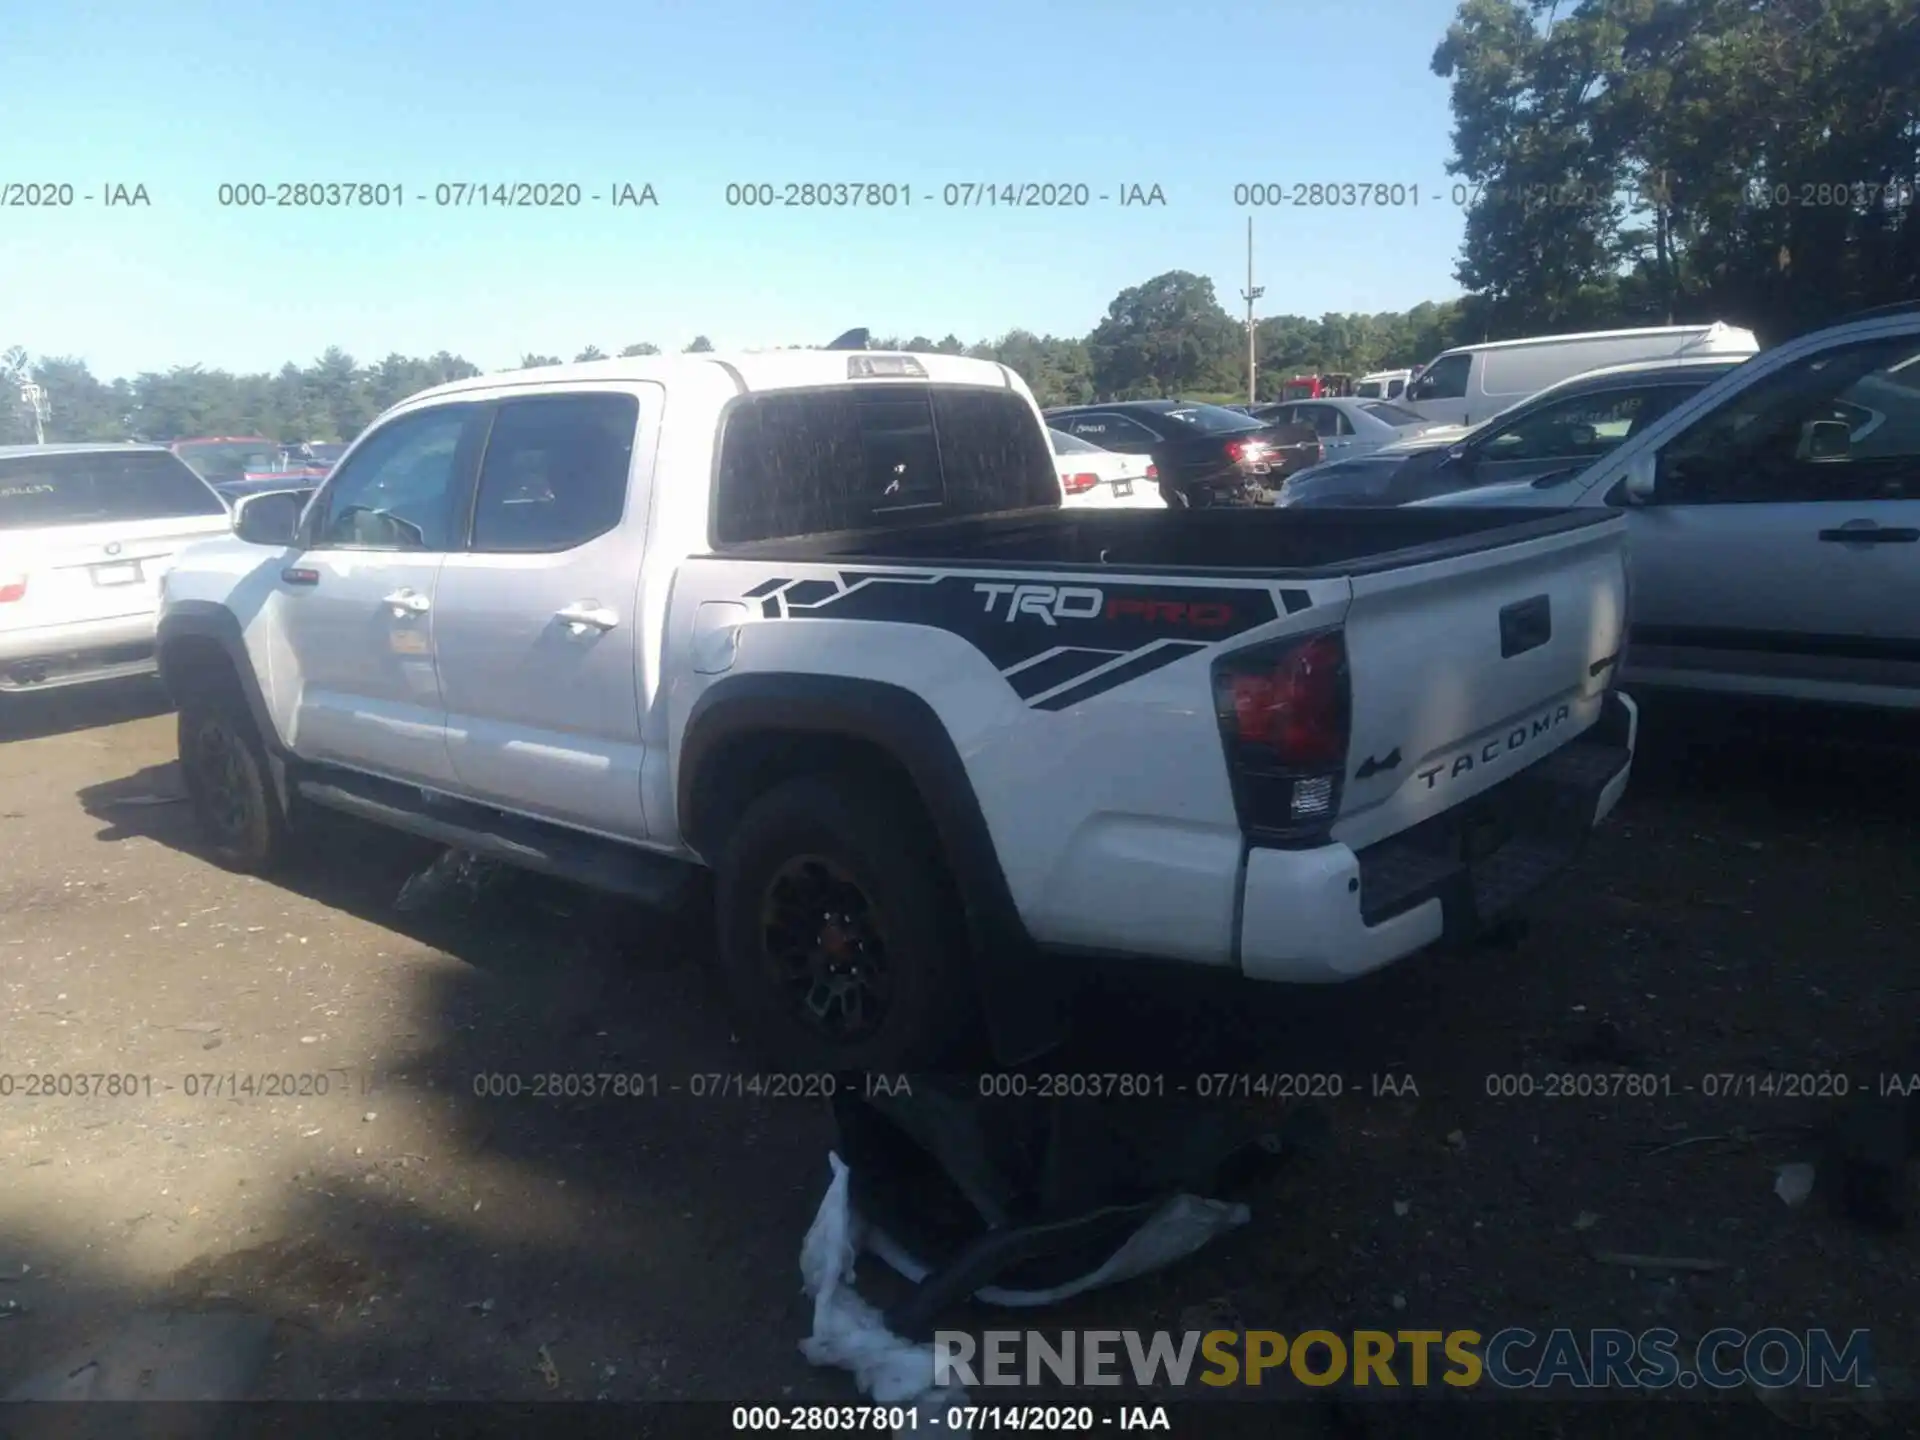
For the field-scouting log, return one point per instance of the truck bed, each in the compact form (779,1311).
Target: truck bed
(1303,544)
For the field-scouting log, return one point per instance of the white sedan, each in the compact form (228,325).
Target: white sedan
(1350,427)
(1090,476)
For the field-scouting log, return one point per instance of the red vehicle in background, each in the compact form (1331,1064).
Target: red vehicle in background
(237,465)
(1316,387)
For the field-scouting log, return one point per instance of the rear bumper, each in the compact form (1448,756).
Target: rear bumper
(47,656)
(1332,914)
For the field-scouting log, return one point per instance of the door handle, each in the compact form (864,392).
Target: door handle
(1865,532)
(407,602)
(585,615)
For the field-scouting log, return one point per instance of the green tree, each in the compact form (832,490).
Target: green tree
(592,352)
(1542,248)
(1647,161)
(700,346)
(531,361)
(641,349)
(1162,337)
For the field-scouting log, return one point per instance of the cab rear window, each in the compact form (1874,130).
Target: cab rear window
(856,457)
(85,488)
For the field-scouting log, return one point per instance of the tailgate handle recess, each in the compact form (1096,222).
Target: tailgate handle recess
(1525,625)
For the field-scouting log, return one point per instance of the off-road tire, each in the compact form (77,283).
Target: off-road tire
(223,760)
(879,837)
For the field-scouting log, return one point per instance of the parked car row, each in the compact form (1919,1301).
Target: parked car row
(1205,455)
(1571,423)
(1773,520)
(1773,502)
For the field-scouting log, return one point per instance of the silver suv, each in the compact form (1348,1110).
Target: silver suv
(85,534)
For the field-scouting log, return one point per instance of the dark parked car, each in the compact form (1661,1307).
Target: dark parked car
(1565,427)
(1206,454)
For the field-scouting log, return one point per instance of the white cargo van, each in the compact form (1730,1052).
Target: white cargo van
(1470,383)
(1383,385)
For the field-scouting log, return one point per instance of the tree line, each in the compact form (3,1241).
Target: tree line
(1684,160)
(1627,162)
(1168,335)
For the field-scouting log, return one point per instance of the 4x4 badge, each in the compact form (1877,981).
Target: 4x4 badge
(1371,767)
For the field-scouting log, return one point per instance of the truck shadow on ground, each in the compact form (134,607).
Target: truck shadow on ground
(576,961)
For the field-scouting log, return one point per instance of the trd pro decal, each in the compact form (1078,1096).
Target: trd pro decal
(1057,644)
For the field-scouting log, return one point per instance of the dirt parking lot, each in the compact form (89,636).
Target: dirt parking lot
(1751,910)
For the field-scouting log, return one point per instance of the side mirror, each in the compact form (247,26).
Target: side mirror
(1639,482)
(270,518)
(1828,440)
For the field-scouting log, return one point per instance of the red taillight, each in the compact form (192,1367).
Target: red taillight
(13,588)
(1079,484)
(1298,708)
(1285,715)
(1153,472)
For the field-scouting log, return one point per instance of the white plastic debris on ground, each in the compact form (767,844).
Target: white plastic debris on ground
(852,1335)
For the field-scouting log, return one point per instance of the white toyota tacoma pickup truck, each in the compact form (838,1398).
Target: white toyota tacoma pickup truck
(816,621)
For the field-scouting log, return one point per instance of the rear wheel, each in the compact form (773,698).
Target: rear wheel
(224,763)
(840,940)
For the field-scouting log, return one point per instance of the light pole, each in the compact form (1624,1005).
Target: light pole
(35,398)
(1252,293)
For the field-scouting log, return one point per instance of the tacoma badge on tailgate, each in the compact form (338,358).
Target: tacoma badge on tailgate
(1516,738)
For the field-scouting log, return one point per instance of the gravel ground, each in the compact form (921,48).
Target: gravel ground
(1751,909)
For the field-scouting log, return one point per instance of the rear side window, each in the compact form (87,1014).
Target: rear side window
(1214,419)
(555,473)
(1110,432)
(808,462)
(1327,422)
(81,489)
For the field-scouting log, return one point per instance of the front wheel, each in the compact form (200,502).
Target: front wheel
(841,943)
(224,763)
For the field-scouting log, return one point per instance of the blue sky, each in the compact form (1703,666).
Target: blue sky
(688,97)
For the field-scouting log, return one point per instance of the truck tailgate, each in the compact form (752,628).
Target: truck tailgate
(1466,670)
